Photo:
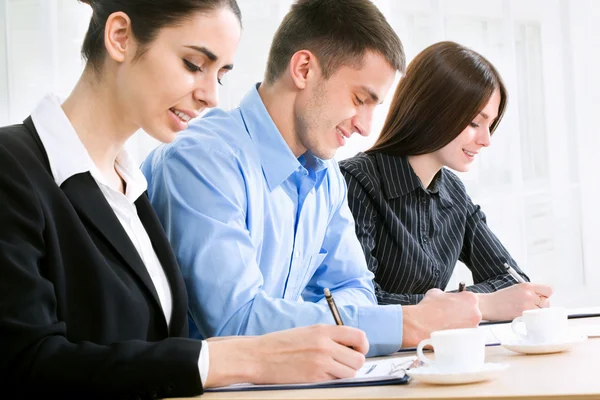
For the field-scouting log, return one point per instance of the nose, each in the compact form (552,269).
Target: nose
(205,93)
(362,121)
(484,137)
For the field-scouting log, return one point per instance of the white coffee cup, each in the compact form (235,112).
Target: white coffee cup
(542,325)
(456,350)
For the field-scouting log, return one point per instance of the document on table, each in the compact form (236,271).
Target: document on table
(385,371)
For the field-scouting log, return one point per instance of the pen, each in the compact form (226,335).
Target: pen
(461,287)
(332,307)
(514,273)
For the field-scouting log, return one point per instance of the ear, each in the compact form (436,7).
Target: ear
(303,67)
(118,38)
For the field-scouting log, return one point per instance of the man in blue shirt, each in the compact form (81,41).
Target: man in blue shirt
(256,208)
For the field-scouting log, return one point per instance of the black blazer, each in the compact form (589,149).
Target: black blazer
(79,315)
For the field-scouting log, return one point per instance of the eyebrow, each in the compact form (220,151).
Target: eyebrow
(371,94)
(211,56)
(484,115)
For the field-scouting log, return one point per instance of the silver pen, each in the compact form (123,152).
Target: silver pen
(514,273)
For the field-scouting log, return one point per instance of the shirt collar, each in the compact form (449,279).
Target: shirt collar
(67,154)
(277,160)
(399,178)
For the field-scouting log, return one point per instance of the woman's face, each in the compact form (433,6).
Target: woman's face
(177,75)
(461,152)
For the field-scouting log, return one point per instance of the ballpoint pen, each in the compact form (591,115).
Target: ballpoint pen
(514,273)
(332,307)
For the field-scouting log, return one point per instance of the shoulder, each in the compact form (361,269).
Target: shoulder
(22,146)
(361,169)
(218,130)
(360,164)
(24,172)
(15,138)
(218,137)
(454,186)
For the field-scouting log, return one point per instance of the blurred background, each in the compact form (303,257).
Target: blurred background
(538,182)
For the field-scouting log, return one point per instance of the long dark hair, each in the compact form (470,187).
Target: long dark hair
(147,18)
(444,88)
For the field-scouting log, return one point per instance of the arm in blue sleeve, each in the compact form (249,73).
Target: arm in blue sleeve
(199,191)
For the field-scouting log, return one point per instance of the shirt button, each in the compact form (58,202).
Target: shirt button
(437,272)
(423,200)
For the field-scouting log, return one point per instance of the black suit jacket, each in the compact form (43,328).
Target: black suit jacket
(79,314)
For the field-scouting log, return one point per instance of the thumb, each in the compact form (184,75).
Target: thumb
(434,292)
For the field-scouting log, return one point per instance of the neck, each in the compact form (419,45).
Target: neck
(98,120)
(279,99)
(425,166)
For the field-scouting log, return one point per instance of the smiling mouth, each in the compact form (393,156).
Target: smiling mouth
(470,154)
(182,116)
(341,133)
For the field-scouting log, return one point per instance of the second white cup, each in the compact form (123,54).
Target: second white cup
(456,350)
(542,325)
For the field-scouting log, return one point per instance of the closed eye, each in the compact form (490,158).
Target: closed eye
(191,66)
(474,124)
(359,101)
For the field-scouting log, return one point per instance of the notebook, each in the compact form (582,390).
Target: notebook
(388,371)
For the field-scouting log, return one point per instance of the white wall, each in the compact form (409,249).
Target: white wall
(537,182)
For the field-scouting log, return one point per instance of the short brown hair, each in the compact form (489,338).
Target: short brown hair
(444,88)
(337,32)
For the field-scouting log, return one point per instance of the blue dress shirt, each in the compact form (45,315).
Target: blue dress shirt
(258,233)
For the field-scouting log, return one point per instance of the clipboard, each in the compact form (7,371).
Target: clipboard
(375,372)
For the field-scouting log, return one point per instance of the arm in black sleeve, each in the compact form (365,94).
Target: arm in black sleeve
(483,253)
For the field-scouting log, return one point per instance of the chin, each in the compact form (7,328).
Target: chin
(459,167)
(323,154)
(162,135)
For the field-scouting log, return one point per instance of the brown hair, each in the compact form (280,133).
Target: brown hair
(147,18)
(444,88)
(337,32)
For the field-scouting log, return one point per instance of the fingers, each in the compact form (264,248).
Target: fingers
(433,292)
(346,362)
(340,370)
(544,302)
(543,290)
(349,337)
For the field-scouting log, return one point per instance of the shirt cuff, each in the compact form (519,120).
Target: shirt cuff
(383,326)
(203,362)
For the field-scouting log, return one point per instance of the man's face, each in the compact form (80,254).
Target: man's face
(330,110)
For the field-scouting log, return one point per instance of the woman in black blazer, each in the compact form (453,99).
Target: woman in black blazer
(92,303)
(413,217)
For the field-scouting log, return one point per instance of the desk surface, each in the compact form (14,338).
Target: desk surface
(568,375)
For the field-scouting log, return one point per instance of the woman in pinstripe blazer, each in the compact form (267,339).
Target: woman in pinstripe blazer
(414,218)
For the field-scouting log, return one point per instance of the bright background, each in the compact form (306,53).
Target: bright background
(538,181)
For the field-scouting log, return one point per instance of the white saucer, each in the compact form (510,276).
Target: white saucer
(525,347)
(429,374)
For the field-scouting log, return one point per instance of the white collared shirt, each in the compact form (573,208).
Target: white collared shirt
(59,138)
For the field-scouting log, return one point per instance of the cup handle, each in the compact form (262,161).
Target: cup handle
(515,326)
(420,355)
